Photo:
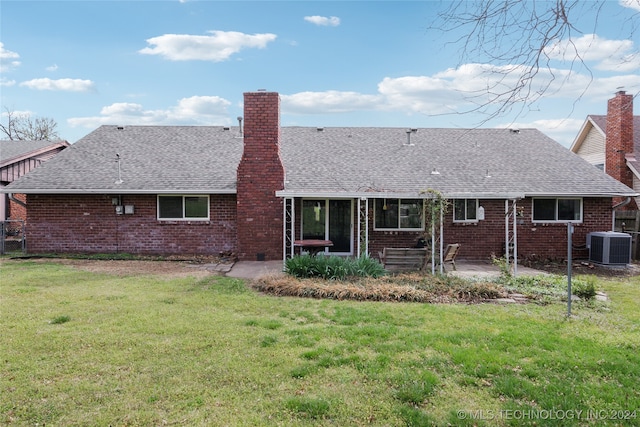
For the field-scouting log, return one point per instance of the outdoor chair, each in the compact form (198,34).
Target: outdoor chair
(450,255)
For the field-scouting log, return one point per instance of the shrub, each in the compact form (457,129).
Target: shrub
(584,288)
(366,267)
(332,267)
(541,287)
(503,266)
(301,266)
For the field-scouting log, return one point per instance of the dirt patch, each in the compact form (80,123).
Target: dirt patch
(583,267)
(168,269)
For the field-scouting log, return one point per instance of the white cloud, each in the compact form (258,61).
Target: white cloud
(196,110)
(453,90)
(631,4)
(17,113)
(53,67)
(217,47)
(420,93)
(562,130)
(331,101)
(120,109)
(628,62)
(8,59)
(459,90)
(472,85)
(7,82)
(332,21)
(201,106)
(67,85)
(609,55)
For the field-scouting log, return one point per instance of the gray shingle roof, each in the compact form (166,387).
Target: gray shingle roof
(469,161)
(333,161)
(153,159)
(601,122)
(14,150)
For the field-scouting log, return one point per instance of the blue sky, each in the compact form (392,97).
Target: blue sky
(345,63)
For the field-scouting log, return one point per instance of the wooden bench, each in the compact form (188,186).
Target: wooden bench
(403,259)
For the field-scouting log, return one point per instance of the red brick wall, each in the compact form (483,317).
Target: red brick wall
(88,224)
(15,210)
(260,175)
(480,240)
(619,141)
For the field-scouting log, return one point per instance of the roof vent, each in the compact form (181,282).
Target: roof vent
(514,130)
(435,172)
(120,127)
(409,137)
(414,130)
(225,128)
(319,129)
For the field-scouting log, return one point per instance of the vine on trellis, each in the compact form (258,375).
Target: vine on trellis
(434,208)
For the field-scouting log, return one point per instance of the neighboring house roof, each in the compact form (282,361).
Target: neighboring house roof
(15,151)
(598,123)
(18,158)
(349,162)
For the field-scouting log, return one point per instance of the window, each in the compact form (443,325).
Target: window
(465,210)
(557,210)
(394,214)
(183,207)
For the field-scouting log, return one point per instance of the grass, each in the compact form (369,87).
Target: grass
(144,350)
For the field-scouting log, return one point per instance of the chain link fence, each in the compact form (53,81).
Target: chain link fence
(13,238)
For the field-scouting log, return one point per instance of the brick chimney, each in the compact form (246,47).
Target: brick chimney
(260,175)
(619,139)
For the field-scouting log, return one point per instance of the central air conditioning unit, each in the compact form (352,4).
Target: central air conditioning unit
(609,247)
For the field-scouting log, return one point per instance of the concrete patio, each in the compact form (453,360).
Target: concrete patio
(255,269)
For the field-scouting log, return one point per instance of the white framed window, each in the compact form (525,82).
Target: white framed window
(557,210)
(398,214)
(465,210)
(191,207)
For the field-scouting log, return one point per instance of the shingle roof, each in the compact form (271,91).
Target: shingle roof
(11,151)
(601,122)
(331,161)
(469,161)
(188,159)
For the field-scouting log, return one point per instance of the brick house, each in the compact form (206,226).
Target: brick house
(18,158)
(611,142)
(254,190)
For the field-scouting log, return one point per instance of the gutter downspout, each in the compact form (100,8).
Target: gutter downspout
(13,199)
(614,207)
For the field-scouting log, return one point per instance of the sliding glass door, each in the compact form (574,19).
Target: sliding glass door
(329,219)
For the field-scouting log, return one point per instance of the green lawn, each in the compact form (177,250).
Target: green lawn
(88,349)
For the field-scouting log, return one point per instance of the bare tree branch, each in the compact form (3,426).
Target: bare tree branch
(21,127)
(517,38)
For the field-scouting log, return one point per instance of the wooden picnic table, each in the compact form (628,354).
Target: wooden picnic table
(313,246)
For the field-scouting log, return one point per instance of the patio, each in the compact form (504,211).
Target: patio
(255,269)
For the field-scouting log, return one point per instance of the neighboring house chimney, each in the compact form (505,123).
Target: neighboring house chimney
(619,140)
(260,175)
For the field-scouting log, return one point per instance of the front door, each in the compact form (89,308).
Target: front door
(329,219)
